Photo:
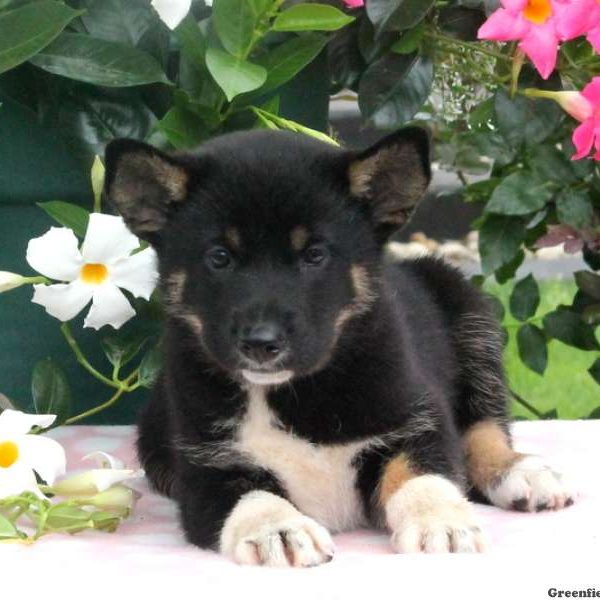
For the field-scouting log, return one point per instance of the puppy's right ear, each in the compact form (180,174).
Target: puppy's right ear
(145,185)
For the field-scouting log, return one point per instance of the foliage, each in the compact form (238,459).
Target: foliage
(99,69)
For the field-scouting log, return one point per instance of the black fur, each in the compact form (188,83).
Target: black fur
(416,358)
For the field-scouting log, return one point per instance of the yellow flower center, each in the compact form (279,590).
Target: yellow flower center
(9,452)
(94,273)
(538,11)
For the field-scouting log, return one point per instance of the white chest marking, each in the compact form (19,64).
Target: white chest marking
(320,480)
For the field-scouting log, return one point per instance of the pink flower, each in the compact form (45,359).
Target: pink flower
(533,23)
(587,136)
(354,3)
(579,17)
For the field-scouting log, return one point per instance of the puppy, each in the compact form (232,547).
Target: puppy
(309,386)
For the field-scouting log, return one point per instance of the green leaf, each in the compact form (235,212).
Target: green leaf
(311,17)
(66,517)
(183,128)
(123,21)
(594,371)
(589,283)
(397,15)
(574,207)
(70,215)
(500,238)
(97,180)
(508,271)
(50,390)
(519,194)
(235,23)
(533,351)
(7,530)
(150,367)
(271,121)
(234,75)
(548,162)
(288,59)
(24,31)
(410,41)
(81,57)
(571,329)
(122,349)
(525,298)
(523,120)
(394,88)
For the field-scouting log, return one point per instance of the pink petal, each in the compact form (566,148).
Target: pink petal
(583,139)
(592,92)
(541,46)
(573,18)
(503,26)
(593,37)
(354,3)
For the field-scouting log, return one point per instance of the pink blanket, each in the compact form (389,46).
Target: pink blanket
(529,553)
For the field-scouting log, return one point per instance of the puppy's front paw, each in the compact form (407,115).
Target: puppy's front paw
(429,514)
(531,485)
(264,529)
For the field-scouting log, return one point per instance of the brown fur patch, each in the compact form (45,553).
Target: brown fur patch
(392,179)
(396,473)
(232,235)
(364,297)
(488,453)
(143,187)
(173,288)
(298,238)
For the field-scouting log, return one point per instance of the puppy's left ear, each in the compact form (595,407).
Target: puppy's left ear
(391,177)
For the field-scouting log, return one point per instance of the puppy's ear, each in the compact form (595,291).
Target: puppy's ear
(145,185)
(391,177)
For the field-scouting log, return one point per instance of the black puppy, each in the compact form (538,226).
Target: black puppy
(308,383)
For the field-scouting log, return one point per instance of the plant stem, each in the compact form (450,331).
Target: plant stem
(82,360)
(532,409)
(97,409)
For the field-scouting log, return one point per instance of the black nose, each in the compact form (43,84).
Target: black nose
(262,343)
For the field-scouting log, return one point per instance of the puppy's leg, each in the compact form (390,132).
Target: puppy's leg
(507,478)
(244,514)
(426,512)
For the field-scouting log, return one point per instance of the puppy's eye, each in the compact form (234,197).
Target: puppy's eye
(218,258)
(314,255)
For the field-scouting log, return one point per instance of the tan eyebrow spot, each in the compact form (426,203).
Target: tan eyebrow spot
(232,235)
(298,237)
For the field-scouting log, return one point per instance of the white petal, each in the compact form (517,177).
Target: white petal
(10,281)
(172,12)
(107,239)
(94,481)
(137,274)
(62,300)
(104,460)
(109,307)
(18,479)
(55,254)
(15,423)
(44,455)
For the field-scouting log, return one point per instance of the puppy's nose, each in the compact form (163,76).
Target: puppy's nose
(262,342)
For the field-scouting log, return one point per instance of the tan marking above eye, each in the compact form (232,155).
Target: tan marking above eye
(232,235)
(298,237)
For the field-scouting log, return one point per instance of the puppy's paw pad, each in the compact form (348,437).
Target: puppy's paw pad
(530,485)
(451,528)
(296,542)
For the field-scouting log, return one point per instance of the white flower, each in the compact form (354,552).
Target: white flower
(95,273)
(10,281)
(21,454)
(172,12)
(110,473)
